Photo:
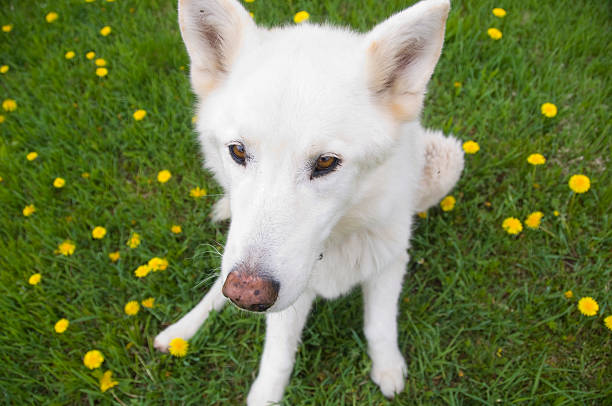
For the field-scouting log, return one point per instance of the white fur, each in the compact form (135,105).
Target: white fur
(289,95)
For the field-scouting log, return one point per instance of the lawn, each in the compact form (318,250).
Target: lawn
(486,316)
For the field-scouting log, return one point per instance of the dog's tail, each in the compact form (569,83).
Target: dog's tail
(443,166)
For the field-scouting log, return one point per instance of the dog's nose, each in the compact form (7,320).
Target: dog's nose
(250,291)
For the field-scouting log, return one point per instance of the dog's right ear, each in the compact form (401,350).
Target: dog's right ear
(213,31)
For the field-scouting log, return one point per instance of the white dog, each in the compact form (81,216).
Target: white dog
(313,133)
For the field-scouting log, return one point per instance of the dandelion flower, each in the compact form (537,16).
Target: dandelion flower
(98,232)
(100,62)
(158,264)
(106,381)
(9,105)
(101,72)
(197,192)
(457,85)
(448,203)
(164,176)
(301,16)
(4,69)
(139,114)
(555,213)
(178,347)
(134,240)
(608,322)
(131,308)
(533,220)
(422,214)
(93,359)
(249,1)
(2,118)
(142,271)
(512,225)
(471,147)
(61,326)
(52,16)
(494,33)
(579,183)
(194,119)
(32,156)
(549,110)
(29,210)
(176,229)
(34,279)
(59,183)
(569,294)
(588,306)
(105,31)
(7,27)
(65,248)
(536,159)
(90,55)
(114,256)
(148,303)
(69,55)
(499,12)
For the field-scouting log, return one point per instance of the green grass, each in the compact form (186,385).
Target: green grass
(483,319)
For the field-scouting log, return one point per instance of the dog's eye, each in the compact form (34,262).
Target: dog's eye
(238,153)
(324,165)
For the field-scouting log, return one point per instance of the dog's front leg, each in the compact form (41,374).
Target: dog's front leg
(283,331)
(189,324)
(381,294)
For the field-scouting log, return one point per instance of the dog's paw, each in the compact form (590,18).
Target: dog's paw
(162,341)
(263,394)
(390,377)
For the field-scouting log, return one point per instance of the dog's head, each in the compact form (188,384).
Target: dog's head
(290,119)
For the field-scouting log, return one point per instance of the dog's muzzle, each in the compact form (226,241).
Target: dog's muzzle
(250,291)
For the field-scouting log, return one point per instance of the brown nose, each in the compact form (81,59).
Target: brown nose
(250,291)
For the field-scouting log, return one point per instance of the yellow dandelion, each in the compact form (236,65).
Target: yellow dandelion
(9,105)
(106,381)
(32,156)
(448,203)
(579,183)
(608,322)
(4,69)
(301,16)
(422,214)
(98,232)
(499,12)
(7,27)
(100,62)
(85,175)
(139,114)
(194,119)
(512,225)
(69,55)
(90,55)
(197,192)
(93,359)
(101,72)
(569,294)
(178,347)
(148,303)
(59,183)
(494,33)
(134,240)
(142,271)
(105,31)
(2,118)
(176,229)
(471,147)
(158,264)
(131,308)
(555,213)
(52,16)
(249,1)
(457,85)
(29,210)
(588,306)
(66,248)
(164,176)
(536,159)
(533,220)
(61,326)
(34,279)
(549,110)
(114,256)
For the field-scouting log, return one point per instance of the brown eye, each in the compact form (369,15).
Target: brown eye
(238,153)
(324,165)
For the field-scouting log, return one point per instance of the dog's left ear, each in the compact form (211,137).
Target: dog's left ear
(402,54)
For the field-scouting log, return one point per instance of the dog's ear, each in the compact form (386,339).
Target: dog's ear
(402,54)
(213,31)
